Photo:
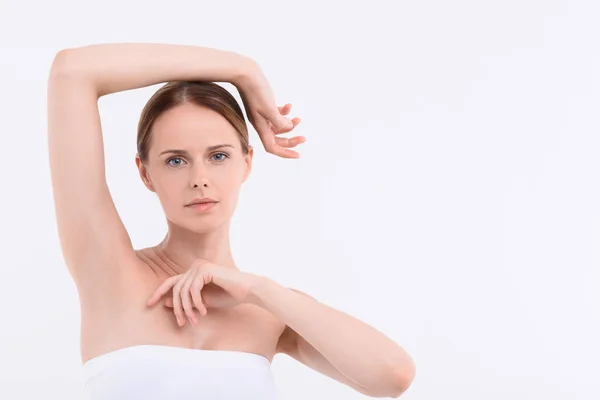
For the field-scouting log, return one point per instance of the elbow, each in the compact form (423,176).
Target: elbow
(69,67)
(60,63)
(64,64)
(402,378)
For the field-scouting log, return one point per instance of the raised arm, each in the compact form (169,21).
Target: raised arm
(116,67)
(92,236)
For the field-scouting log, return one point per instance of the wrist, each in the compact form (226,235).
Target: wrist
(257,287)
(247,70)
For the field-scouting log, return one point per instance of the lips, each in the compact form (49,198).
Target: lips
(202,200)
(203,207)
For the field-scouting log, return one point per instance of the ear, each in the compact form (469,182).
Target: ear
(248,161)
(143,171)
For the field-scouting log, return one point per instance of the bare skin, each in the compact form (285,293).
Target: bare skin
(123,319)
(114,281)
(177,180)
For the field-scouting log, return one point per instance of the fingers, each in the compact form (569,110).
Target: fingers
(284,110)
(295,123)
(187,294)
(177,307)
(196,291)
(270,141)
(282,151)
(162,289)
(265,133)
(188,307)
(268,126)
(279,122)
(290,142)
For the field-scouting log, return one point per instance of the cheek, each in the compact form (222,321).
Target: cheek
(227,191)
(169,193)
(226,181)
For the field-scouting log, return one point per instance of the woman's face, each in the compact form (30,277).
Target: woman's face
(197,168)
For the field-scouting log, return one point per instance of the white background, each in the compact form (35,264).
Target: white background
(448,193)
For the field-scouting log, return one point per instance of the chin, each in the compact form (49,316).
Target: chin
(204,223)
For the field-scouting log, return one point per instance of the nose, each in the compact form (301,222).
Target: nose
(199,176)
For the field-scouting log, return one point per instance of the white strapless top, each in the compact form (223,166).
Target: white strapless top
(157,372)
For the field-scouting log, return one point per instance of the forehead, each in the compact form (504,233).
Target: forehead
(191,127)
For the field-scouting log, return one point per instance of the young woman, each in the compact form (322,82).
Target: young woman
(216,328)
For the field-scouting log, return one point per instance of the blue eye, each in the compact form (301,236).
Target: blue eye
(173,158)
(223,154)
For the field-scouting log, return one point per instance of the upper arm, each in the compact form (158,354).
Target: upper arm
(91,233)
(298,348)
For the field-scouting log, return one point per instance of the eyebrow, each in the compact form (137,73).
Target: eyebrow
(186,153)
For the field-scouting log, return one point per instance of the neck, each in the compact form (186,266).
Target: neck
(183,247)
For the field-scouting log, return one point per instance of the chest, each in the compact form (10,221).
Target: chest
(124,319)
(245,327)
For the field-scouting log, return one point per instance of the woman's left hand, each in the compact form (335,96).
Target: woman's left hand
(204,285)
(263,113)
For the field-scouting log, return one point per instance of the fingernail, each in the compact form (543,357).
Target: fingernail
(179,321)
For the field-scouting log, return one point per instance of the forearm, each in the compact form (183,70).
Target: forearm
(115,67)
(360,352)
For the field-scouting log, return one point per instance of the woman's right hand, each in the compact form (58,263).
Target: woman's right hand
(265,116)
